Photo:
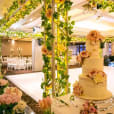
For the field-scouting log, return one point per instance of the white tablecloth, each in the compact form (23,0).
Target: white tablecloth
(74,107)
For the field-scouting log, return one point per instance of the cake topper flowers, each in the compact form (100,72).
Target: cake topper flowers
(77,89)
(95,36)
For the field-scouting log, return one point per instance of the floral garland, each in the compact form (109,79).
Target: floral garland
(61,45)
(101,4)
(46,16)
(64,31)
(18,35)
(25,7)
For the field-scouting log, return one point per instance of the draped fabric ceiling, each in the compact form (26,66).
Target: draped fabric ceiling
(85,20)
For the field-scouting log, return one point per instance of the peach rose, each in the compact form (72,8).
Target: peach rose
(13,91)
(77,89)
(95,36)
(3,82)
(49,13)
(92,74)
(84,54)
(45,104)
(101,73)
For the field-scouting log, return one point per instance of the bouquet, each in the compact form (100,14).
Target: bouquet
(9,99)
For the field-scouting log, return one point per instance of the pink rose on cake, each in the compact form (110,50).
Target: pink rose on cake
(84,54)
(77,89)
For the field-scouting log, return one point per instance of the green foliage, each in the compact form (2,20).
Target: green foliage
(102,4)
(18,10)
(7,109)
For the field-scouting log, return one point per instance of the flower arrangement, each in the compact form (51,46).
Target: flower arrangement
(94,36)
(20,107)
(45,105)
(77,89)
(84,54)
(8,100)
(89,108)
(97,76)
(3,85)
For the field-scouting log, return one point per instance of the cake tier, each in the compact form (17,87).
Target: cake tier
(92,90)
(92,63)
(93,49)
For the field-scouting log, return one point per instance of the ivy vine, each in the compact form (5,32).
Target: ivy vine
(101,4)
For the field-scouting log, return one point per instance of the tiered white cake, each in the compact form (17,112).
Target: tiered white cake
(93,81)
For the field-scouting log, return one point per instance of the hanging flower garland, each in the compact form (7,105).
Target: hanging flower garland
(64,31)
(20,35)
(46,16)
(101,4)
(18,11)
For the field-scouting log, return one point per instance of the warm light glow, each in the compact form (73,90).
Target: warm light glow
(13,42)
(93,25)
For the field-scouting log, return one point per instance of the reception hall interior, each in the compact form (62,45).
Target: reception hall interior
(56,56)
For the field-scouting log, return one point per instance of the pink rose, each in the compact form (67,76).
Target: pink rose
(92,109)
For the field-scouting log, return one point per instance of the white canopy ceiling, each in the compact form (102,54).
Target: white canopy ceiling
(84,20)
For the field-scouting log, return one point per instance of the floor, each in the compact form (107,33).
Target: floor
(30,82)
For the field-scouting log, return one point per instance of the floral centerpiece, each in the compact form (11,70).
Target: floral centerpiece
(45,105)
(3,85)
(89,108)
(9,99)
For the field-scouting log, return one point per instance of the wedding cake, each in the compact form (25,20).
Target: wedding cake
(92,82)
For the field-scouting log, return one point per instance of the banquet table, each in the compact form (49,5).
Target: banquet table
(74,107)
